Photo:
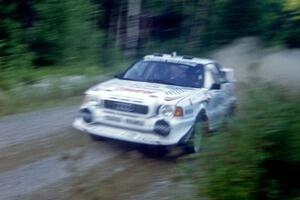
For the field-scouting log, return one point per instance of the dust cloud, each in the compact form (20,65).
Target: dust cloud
(277,65)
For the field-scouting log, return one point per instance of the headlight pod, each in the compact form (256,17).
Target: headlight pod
(170,111)
(166,110)
(91,99)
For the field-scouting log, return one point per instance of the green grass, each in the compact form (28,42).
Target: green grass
(11,77)
(257,155)
(24,98)
(27,76)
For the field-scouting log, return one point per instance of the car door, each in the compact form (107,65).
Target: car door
(228,89)
(215,107)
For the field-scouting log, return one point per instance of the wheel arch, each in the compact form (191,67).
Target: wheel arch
(202,114)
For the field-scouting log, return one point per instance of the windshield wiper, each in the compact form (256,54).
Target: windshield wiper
(160,81)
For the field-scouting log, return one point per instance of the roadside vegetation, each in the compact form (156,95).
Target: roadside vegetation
(48,87)
(87,36)
(257,155)
(42,39)
(52,50)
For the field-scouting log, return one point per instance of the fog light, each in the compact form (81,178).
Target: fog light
(162,128)
(86,115)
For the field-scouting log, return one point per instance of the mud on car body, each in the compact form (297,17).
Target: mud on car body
(161,100)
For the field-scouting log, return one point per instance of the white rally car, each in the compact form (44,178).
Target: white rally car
(161,100)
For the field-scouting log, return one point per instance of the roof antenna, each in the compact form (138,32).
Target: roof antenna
(174,53)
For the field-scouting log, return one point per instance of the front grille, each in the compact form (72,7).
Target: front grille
(125,107)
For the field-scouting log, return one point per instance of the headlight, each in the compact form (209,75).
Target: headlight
(166,110)
(91,99)
(170,111)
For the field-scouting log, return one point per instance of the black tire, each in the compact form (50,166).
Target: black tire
(200,129)
(153,151)
(96,138)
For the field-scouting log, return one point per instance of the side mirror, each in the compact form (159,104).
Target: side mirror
(228,73)
(215,86)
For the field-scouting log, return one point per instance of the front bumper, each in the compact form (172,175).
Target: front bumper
(143,137)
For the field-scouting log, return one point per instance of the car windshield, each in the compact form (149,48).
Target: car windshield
(166,73)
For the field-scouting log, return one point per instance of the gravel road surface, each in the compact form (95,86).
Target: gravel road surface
(43,157)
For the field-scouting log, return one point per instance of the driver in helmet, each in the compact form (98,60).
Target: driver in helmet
(178,75)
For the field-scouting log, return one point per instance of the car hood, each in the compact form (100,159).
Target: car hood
(141,91)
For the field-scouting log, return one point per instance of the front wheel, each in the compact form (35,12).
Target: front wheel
(96,138)
(154,151)
(200,128)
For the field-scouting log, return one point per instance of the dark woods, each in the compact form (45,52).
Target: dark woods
(53,32)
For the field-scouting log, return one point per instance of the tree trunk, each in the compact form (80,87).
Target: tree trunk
(133,26)
(198,25)
(119,31)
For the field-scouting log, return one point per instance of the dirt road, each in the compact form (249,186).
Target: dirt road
(43,157)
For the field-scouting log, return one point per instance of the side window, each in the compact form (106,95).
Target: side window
(198,75)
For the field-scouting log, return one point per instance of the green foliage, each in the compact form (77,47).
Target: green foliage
(280,22)
(168,46)
(159,7)
(213,23)
(257,156)
(46,33)
(65,32)
(39,33)
(13,49)
(229,19)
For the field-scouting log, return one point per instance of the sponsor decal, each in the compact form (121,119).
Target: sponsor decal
(136,90)
(173,98)
(189,111)
(124,107)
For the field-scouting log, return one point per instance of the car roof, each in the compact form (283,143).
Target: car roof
(177,59)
